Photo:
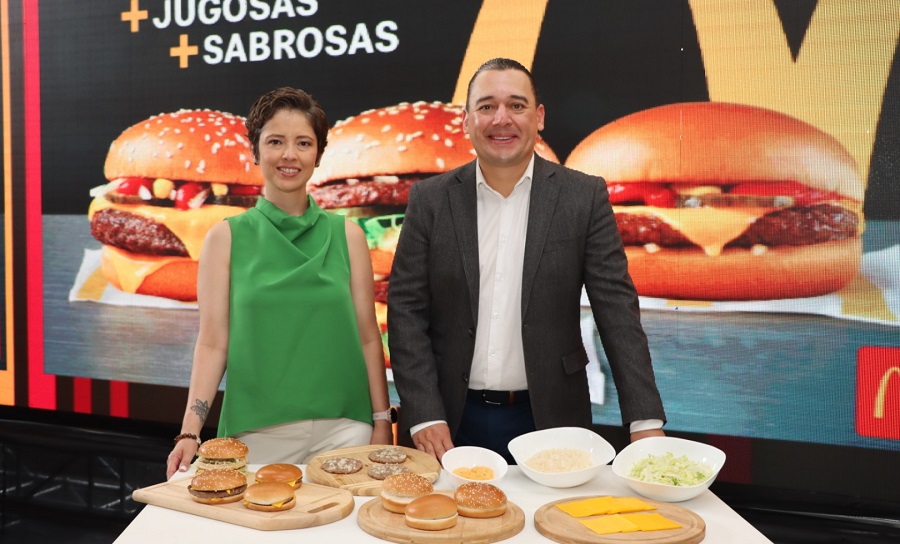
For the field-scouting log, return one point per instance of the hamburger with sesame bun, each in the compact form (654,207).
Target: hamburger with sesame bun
(218,486)
(229,453)
(371,161)
(171,178)
(718,201)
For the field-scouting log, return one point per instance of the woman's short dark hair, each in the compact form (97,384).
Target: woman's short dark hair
(287,98)
(501,64)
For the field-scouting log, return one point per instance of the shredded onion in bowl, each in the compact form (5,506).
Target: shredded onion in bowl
(670,470)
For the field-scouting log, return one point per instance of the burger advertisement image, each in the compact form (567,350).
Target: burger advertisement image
(171,178)
(758,204)
(749,151)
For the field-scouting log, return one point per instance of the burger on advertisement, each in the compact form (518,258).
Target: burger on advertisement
(171,178)
(370,163)
(720,201)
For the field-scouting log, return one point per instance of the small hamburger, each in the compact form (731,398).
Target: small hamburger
(280,472)
(371,161)
(431,513)
(398,490)
(217,486)
(171,178)
(720,201)
(226,453)
(270,497)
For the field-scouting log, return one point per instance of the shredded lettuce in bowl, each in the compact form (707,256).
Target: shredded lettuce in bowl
(670,470)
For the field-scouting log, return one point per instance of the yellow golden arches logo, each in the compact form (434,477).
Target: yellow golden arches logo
(882,391)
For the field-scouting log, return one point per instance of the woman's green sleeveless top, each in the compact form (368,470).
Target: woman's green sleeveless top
(293,345)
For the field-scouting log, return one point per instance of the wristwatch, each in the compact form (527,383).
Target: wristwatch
(388,415)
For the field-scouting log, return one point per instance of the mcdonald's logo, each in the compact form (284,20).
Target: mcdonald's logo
(878,392)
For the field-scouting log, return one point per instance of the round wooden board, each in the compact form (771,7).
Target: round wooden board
(556,525)
(378,522)
(360,483)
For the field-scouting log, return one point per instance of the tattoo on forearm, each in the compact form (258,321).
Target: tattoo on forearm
(201,408)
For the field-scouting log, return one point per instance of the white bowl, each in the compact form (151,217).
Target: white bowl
(711,456)
(524,447)
(469,457)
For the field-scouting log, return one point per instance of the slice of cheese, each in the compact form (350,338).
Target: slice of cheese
(605,525)
(604,505)
(651,522)
(709,228)
(631,504)
(190,226)
(587,507)
(132,269)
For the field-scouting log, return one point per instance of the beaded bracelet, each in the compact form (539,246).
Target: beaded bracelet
(192,436)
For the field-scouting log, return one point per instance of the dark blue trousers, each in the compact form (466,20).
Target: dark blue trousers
(491,426)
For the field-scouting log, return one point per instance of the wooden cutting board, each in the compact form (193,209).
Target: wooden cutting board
(378,522)
(316,505)
(360,483)
(556,525)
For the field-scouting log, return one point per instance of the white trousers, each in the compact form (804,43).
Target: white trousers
(298,442)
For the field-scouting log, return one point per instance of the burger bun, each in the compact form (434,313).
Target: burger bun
(480,500)
(432,512)
(398,490)
(280,472)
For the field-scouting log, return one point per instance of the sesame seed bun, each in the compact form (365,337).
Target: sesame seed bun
(480,500)
(189,145)
(398,490)
(409,138)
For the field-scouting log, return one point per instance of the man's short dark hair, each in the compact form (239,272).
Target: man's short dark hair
(501,63)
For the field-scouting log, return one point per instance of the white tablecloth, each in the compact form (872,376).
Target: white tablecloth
(154,524)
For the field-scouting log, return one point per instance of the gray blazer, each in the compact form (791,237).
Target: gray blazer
(571,241)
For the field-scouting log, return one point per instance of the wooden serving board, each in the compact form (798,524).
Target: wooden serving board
(316,505)
(556,525)
(360,483)
(378,522)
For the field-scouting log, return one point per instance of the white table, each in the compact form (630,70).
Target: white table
(155,524)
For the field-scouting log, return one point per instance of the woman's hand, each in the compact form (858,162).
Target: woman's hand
(181,456)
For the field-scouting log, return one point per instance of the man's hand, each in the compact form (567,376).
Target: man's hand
(644,434)
(434,439)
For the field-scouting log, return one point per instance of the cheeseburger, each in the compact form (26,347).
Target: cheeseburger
(171,178)
(720,201)
(224,453)
(218,486)
(373,158)
(269,497)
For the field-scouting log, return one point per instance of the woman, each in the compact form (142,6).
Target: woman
(286,298)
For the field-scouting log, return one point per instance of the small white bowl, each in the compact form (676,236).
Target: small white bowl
(659,445)
(524,447)
(472,456)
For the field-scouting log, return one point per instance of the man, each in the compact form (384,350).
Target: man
(484,301)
